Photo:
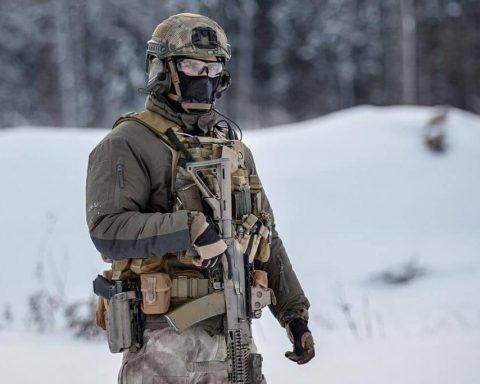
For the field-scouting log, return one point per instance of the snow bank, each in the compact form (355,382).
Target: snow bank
(354,193)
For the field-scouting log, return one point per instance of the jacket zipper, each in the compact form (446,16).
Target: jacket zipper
(119,184)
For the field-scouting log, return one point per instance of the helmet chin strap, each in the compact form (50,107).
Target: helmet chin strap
(196,107)
(177,96)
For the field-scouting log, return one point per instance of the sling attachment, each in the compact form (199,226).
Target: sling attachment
(179,146)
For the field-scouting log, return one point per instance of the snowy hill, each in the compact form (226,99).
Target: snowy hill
(355,194)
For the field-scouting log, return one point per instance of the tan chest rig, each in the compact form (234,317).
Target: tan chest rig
(253,223)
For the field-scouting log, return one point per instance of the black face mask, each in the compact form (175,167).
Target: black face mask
(200,89)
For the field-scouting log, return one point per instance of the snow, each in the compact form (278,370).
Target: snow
(355,193)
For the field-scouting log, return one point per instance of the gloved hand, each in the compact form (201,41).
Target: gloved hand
(206,242)
(302,340)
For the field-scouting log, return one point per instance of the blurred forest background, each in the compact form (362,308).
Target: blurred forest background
(81,62)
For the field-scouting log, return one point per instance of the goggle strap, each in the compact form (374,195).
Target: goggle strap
(175,78)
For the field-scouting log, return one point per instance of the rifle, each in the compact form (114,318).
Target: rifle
(242,365)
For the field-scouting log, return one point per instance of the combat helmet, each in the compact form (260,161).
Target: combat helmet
(185,35)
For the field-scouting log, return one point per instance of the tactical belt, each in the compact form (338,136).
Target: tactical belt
(183,289)
(155,322)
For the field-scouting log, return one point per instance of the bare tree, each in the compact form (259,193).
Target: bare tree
(408,51)
(244,61)
(65,67)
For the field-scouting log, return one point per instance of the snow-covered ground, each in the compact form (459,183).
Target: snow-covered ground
(354,193)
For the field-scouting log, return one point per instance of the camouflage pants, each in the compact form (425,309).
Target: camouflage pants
(165,356)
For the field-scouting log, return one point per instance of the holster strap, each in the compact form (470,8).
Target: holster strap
(189,287)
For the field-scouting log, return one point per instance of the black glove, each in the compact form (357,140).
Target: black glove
(302,340)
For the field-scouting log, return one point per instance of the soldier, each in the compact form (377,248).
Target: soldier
(147,218)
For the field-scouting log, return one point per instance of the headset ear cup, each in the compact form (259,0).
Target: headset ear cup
(158,78)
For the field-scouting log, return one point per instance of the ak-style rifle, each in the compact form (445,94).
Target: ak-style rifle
(235,300)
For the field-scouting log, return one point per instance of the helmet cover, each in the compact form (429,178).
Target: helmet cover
(188,34)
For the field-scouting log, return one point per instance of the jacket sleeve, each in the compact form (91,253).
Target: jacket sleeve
(118,190)
(291,301)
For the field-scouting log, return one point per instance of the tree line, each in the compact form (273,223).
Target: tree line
(81,62)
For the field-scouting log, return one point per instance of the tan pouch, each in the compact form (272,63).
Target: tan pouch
(121,270)
(102,305)
(156,292)
(146,265)
(255,183)
(263,251)
(101,313)
(188,194)
(186,257)
(260,279)
(191,198)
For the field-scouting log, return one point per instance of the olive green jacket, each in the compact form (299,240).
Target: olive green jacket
(129,209)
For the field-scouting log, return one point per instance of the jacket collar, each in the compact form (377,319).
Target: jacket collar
(188,122)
